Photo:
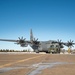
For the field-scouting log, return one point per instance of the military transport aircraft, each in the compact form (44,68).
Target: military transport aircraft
(41,46)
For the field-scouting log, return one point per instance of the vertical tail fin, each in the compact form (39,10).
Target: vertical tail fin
(31,35)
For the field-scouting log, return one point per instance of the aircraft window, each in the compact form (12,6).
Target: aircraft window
(56,45)
(47,43)
(52,46)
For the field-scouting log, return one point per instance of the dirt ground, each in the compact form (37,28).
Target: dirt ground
(37,64)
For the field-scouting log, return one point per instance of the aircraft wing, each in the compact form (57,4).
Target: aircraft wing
(9,40)
(20,40)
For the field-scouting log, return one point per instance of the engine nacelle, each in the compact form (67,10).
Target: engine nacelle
(23,45)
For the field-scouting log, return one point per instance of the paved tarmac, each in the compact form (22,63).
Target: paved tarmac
(21,63)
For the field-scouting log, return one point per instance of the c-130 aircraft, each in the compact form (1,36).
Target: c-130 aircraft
(41,46)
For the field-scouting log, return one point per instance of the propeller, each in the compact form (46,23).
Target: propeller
(35,41)
(70,43)
(58,41)
(21,40)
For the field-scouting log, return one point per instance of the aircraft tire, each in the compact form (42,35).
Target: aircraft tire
(47,52)
(37,51)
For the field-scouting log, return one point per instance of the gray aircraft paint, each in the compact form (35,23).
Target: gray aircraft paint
(38,46)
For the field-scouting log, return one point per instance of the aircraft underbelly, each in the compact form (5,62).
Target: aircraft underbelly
(43,47)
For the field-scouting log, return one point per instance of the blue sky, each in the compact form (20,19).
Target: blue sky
(49,20)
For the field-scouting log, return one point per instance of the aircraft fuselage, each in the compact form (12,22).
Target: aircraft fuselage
(45,46)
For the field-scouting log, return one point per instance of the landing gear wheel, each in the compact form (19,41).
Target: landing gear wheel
(36,51)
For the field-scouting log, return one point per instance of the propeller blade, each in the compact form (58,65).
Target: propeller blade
(37,39)
(34,39)
(72,46)
(58,40)
(70,40)
(22,37)
(19,38)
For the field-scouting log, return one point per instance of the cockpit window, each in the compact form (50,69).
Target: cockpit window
(56,45)
(52,46)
